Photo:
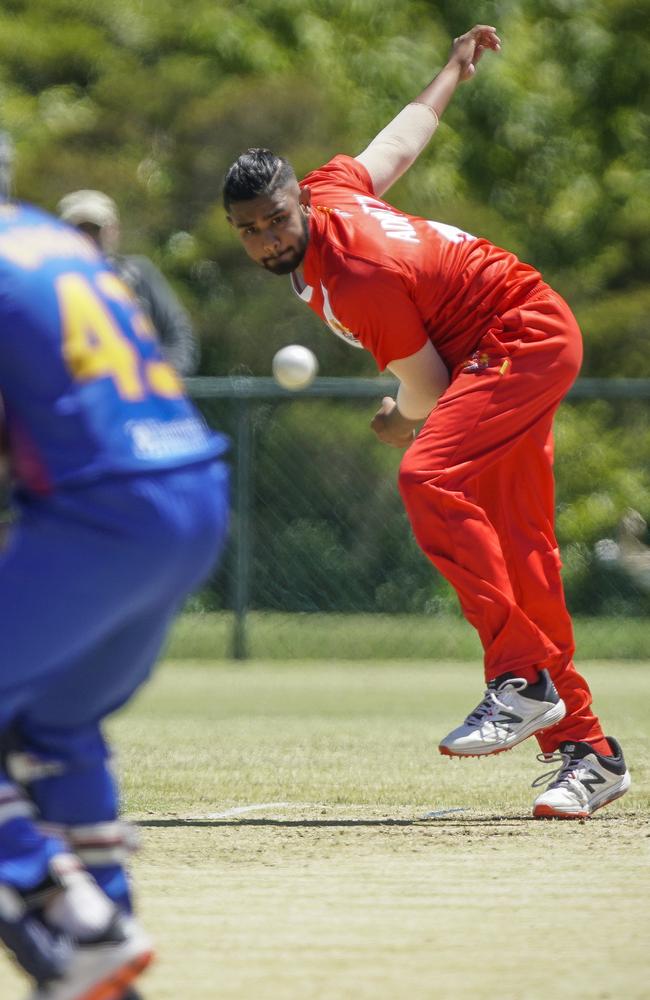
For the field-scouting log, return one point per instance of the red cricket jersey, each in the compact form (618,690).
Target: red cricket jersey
(387,281)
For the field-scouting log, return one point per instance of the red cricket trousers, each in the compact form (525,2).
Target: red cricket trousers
(478,488)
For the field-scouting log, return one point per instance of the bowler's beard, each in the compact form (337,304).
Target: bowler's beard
(292,258)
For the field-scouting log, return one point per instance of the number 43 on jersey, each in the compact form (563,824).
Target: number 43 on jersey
(95,346)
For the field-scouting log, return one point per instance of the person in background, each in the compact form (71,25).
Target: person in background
(484,351)
(122,508)
(96,215)
(6,165)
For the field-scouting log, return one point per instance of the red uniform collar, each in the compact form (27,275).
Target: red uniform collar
(311,261)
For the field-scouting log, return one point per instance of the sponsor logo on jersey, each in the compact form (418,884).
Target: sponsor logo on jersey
(335,324)
(156,439)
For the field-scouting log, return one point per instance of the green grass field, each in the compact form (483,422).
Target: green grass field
(286,857)
(379,637)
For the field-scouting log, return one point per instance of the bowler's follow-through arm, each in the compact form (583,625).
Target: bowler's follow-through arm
(397,146)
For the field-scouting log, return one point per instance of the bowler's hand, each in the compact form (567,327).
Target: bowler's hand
(391,427)
(468,48)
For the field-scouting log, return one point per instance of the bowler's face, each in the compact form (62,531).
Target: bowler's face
(274,229)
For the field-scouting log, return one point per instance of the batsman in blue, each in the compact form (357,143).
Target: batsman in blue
(120,491)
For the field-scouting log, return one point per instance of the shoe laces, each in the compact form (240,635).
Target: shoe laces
(561,775)
(491,700)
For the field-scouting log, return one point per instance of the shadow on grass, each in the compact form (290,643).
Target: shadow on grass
(237,821)
(460,822)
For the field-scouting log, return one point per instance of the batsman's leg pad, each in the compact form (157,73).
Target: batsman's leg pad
(104,849)
(67,774)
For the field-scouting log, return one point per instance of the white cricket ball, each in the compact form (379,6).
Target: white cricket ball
(294,367)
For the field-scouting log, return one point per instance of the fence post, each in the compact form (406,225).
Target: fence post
(242,540)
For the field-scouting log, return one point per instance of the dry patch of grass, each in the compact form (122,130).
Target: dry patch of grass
(332,903)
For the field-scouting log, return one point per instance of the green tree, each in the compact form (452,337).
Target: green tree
(546,153)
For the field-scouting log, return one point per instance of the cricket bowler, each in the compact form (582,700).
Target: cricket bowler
(484,351)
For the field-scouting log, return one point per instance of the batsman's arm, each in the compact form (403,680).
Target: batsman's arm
(397,146)
(423,378)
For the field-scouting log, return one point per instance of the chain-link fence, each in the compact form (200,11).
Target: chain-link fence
(321,560)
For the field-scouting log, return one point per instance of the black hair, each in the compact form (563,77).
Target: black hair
(256,172)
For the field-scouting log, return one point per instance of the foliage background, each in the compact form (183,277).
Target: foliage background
(546,152)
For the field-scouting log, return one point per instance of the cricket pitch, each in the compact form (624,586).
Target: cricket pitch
(285,856)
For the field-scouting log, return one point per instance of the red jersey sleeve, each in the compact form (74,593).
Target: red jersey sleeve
(373,304)
(341,172)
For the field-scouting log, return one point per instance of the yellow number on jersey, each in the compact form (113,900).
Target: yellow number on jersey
(159,375)
(163,380)
(115,289)
(93,344)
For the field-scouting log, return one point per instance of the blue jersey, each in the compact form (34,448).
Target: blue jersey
(87,393)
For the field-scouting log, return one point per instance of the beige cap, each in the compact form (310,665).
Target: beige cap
(88,206)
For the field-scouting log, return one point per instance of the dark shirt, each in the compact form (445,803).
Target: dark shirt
(168,316)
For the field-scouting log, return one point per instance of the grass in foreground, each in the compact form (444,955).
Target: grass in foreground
(331,885)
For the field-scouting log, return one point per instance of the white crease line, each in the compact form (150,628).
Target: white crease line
(443,812)
(241,810)
(256,806)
